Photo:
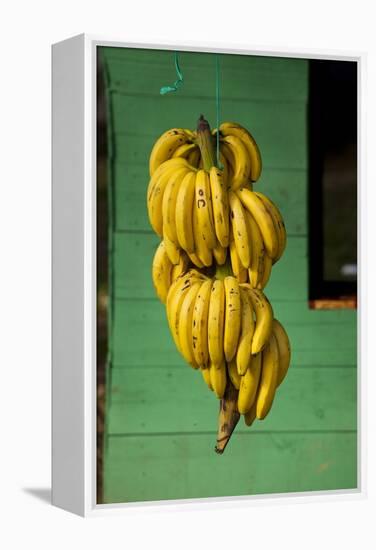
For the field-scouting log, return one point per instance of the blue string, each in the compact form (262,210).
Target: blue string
(176,85)
(217,105)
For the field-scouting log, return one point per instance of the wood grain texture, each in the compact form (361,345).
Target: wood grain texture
(161,418)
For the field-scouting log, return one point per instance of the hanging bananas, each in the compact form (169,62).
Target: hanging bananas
(221,325)
(220,240)
(199,210)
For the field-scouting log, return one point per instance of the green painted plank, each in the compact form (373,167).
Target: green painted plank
(298,312)
(141,337)
(150,400)
(200,59)
(279,128)
(155,466)
(134,254)
(242,77)
(309,358)
(287,188)
(132,264)
(333,357)
(142,468)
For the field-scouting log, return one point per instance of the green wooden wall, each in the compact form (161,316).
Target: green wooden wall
(160,417)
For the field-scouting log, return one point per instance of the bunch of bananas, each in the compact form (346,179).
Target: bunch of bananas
(219,242)
(206,212)
(240,154)
(227,329)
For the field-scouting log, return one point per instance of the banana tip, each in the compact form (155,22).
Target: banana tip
(221,444)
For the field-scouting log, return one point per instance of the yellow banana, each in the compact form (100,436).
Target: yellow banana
(177,162)
(204,208)
(196,273)
(257,209)
(233,373)
(232,317)
(194,157)
(175,297)
(239,229)
(219,198)
(244,351)
(165,146)
(227,158)
(267,269)
(238,270)
(156,190)
(169,204)
(220,254)
(181,267)
(232,128)
(249,384)
(218,378)
(224,167)
(172,251)
(183,151)
(195,259)
(279,224)
(161,272)
(242,164)
(228,154)
(268,380)
(185,324)
(192,134)
(206,377)
(200,325)
(256,268)
(179,286)
(202,251)
(184,212)
(284,350)
(216,322)
(250,416)
(264,318)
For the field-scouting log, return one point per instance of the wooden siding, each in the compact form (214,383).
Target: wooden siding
(160,417)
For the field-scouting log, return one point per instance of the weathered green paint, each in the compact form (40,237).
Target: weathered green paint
(140,327)
(142,74)
(142,400)
(173,466)
(161,418)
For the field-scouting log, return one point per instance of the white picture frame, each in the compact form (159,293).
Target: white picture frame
(74,277)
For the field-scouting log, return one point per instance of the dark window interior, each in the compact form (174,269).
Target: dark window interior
(332,196)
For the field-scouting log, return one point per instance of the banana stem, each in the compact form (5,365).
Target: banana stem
(228,416)
(205,142)
(228,409)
